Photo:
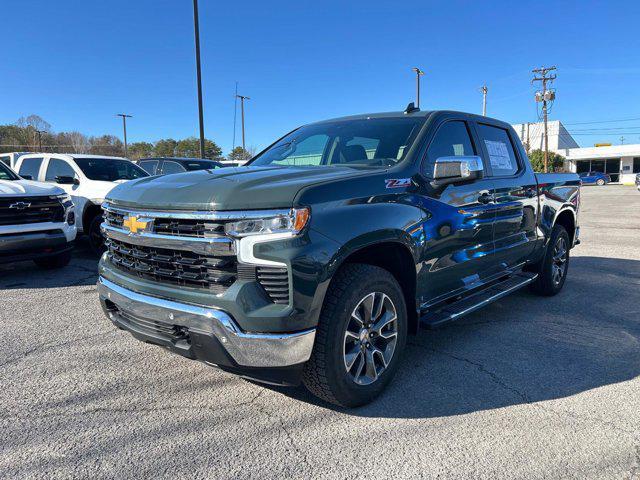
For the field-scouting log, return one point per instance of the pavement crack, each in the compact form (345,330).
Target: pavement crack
(50,346)
(524,397)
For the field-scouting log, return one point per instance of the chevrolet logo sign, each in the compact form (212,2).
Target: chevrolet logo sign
(135,224)
(20,205)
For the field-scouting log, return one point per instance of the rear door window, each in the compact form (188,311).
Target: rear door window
(30,167)
(500,153)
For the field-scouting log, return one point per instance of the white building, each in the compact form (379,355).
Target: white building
(621,162)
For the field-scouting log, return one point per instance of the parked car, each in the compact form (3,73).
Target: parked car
(87,178)
(169,165)
(319,258)
(638,181)
(11,158)
(37,221)
(594,178)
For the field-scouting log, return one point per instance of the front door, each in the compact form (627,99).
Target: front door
(458,249)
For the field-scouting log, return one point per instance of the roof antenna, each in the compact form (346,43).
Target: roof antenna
(411,108)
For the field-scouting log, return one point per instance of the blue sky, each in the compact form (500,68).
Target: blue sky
(77,63)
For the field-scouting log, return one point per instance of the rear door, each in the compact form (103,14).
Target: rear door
(458,251)
(170,166)
(515,193)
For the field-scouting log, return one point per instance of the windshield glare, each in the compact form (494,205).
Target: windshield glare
(6,173)
(109,169)
(374,142)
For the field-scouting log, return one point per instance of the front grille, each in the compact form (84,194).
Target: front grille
(275,282)
(25,210)
(174,266)
(179,227)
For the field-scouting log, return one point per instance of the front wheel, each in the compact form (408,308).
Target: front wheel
(555,264)
(96,240)
(600,182)
(360,336)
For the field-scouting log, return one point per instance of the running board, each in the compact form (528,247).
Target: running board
(466,305)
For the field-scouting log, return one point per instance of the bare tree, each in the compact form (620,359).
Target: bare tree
(79,142)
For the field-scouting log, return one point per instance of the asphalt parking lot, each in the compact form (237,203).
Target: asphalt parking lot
(529,387)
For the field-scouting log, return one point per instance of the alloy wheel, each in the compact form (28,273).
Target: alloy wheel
(370,338)
(559,262)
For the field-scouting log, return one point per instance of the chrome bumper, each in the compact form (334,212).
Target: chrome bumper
(261,350)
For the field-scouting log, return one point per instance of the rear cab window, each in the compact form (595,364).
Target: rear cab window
(501,155)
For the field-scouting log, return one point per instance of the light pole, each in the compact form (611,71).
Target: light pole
(40,132)
(124,127)
(242,99)
(196,28)
(419,73)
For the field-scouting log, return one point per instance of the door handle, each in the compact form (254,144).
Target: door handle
(485,198)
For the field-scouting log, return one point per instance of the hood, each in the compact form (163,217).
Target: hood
(27,187)
(239,188)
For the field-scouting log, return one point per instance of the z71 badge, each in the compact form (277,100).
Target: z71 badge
(397,182)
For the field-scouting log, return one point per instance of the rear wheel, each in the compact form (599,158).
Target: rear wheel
(55,261)
(96,240)
(555,264)
(600,182)
(360,336)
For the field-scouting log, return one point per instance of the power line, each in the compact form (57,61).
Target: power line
(604,121)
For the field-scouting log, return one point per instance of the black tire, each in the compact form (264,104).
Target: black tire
(55,261)
(547,283)
(600,182)
(325,374)
(96,240)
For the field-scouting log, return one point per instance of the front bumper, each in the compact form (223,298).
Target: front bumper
(207,334)
(30,242)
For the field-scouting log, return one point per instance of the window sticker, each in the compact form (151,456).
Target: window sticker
(498,155)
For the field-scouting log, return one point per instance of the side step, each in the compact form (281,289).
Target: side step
(462,307)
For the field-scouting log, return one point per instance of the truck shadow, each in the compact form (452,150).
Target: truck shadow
(83,270)
(522,349)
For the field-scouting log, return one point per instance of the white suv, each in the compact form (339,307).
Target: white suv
(37,221)
(87,178)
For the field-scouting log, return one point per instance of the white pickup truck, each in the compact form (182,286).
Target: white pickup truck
(87,178)
(37,221)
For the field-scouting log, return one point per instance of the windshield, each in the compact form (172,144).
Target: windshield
(373,142)
(6,173)
(109,169)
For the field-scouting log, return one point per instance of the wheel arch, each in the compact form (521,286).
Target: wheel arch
(90,211)
(567,218)
(392,254)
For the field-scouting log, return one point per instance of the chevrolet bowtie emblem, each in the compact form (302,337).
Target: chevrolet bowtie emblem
(135,224)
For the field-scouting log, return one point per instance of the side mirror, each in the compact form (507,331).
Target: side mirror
(448,170)
(67,180)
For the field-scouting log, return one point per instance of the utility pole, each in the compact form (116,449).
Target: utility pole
(40,132)
(235,112)
(124,128)
(484,89)
(545,96)
(242,99)
(419,73)
(196,28)
(622,140)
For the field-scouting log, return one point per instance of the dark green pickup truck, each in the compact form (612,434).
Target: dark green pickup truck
(317,260)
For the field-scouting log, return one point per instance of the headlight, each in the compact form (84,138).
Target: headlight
(65,199)
(291,222)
